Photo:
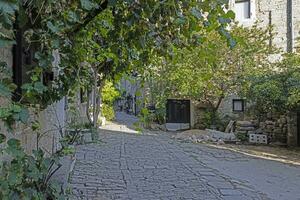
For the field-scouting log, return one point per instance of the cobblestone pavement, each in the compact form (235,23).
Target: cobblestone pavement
(149,167)
(129,166)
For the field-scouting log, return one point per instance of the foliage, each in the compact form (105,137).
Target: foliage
(212,119)
(160,114)
(108,112)
(92,40)
(278,89)
(145,118)
(27,176)
(212,70)
(242,137)
(109,95)
(85,125)
(14,111)
(84,43)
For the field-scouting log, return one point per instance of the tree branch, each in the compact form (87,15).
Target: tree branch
(89,18)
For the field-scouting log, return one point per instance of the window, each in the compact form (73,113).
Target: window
(242,9)
(238,105)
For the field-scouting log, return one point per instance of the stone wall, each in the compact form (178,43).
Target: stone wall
(50,120)
(226,108)
(280,129)
(296,23)
(276,127)
(292,136)
(198,114)
(276,12)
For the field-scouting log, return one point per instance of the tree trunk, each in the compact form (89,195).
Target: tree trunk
(218,103)
(215,110)
(95,96)
(98,102)
(88,105)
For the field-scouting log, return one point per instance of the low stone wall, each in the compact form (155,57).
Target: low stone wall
(280,129)
(276,129)
(292,127)
(51,120)
(245,127)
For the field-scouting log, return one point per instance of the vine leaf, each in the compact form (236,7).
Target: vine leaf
(4,91)
(52,27)
(196,13)
(6,42)
(87,4)
(2,138)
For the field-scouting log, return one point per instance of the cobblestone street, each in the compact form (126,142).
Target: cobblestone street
(131,166)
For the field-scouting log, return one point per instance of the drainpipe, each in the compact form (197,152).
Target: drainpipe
(290,34)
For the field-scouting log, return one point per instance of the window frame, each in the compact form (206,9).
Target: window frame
(249,9)
(243,105)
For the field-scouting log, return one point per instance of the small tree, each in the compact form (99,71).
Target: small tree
(211,70)
(278,89)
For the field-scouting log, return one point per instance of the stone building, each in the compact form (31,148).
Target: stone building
(284,16)
(131,100)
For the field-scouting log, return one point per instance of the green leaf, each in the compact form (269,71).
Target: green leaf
(14,178)
(39,87)
(4,91)
(87,4)
(230,14)
(24,115)
(2,138)
(196,13)
(52,27)
(35,126)
(14,143)
(16,108)
(8,6)
(180,21)
(112,2)
(73,16)
(27,86)
(6,42)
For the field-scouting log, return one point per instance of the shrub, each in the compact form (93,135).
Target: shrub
(25,176)
(241,136)
(109,95)
(108,112)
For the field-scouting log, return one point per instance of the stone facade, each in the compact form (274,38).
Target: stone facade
(276,127)
(226,108)
(293,129)
(51,119)
(284,15)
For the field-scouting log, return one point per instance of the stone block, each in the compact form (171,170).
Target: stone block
(277,131)
(255,123)
(284,130)
(250,128)
(262,124)
(244,123)
(251,132)
(269,122)
(242,132)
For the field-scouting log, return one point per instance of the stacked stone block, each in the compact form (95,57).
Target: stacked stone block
(245,127)
(276,129)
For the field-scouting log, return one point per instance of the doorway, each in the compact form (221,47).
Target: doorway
(178,114)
